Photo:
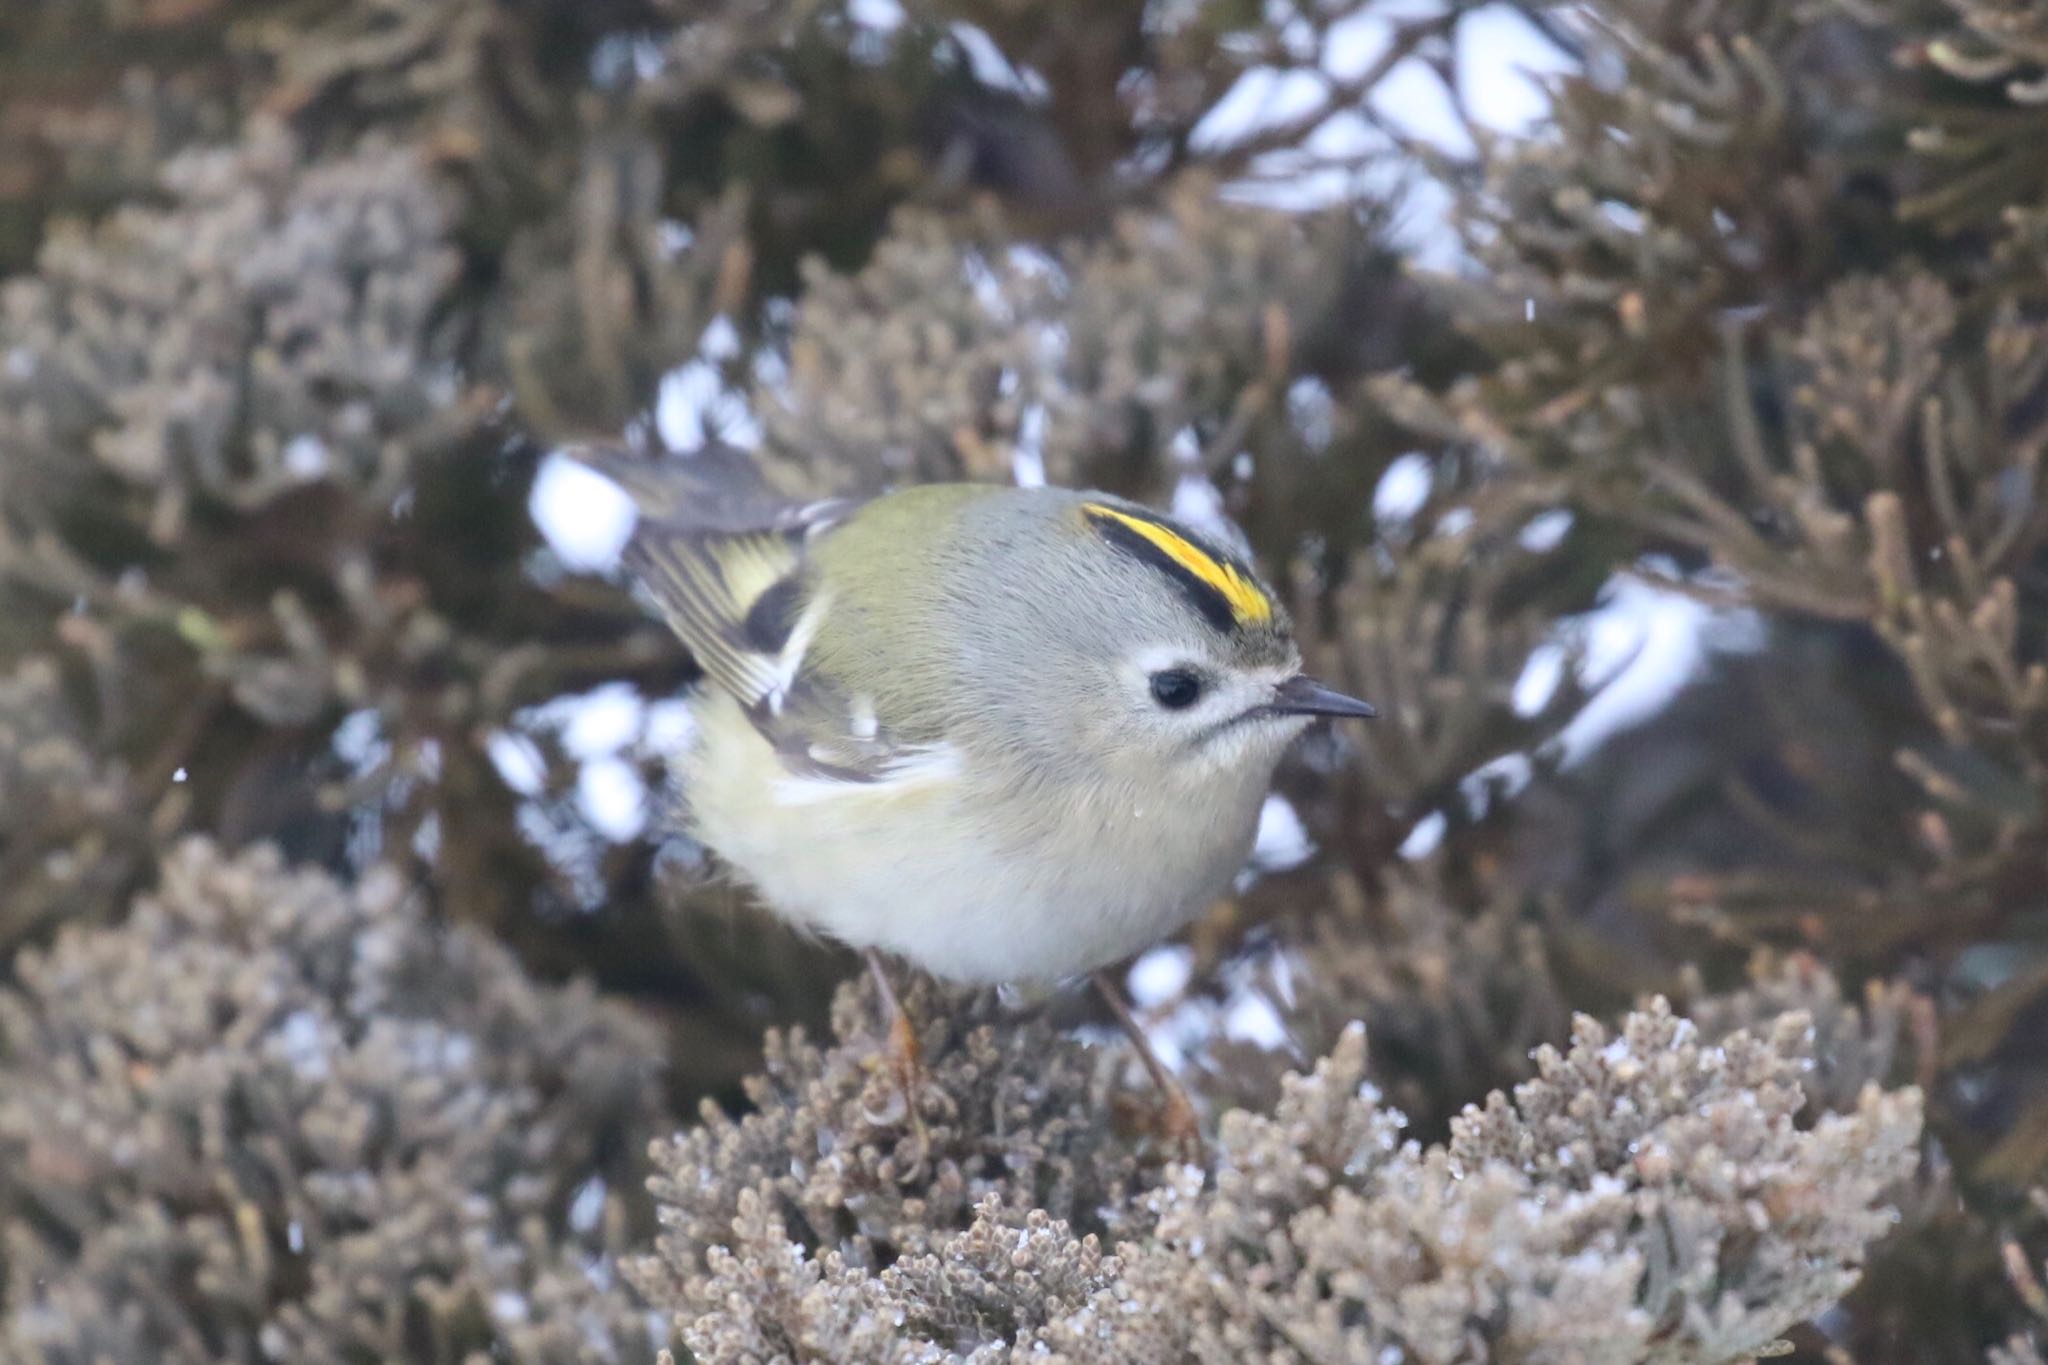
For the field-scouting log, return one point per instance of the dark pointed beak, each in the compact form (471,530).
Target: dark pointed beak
(1302,695)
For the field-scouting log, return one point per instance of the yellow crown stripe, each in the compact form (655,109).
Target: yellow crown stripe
(1248,603)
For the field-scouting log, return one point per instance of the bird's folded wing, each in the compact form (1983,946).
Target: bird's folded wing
(737,600)
(725,562)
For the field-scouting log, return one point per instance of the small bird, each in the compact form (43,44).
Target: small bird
(1011,735)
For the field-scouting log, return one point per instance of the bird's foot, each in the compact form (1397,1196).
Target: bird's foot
(905,1058)
(1177,1122)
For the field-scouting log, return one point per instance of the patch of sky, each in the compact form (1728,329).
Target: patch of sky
(1254,992)
(1542,674)
(1627,217)
(307,1042)
(870,44)
(518,760)
(588,1205)
(1033,263)
(1160,975)
(882,16)
(597,729)
(1502,63)
(992,68)
(1197,502)
(1640,645)
(695,404)
(594,724)
(305,457)
(1545,531)
(426,840)
(585,518)
(624,58)
(359,741)
(1262,98)
(1282,840)
(1249,1017)
(612,798)
(1632,653)
(1355,42)
(1426,836)
(1027,459)
(674,237)
(1499,779)
(1311,411)
(1403,487)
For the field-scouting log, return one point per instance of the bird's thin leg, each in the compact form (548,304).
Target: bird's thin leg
(904,1048)
(1179,1121)
(906,1054)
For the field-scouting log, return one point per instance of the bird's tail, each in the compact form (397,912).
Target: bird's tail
(716,490)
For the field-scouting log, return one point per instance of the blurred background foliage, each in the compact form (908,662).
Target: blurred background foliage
(1663,455)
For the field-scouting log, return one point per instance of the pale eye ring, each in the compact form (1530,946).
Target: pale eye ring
(1176,689)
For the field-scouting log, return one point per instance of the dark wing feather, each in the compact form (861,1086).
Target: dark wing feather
(723,557)
(731,598)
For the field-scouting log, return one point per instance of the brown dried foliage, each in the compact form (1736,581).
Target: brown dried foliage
(273,1117)
(1608,1211)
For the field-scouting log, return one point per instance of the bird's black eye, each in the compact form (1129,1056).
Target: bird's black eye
(1176,689)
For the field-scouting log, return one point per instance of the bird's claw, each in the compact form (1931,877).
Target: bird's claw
(905,1060)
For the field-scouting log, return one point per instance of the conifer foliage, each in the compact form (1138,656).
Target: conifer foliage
(1681,1000)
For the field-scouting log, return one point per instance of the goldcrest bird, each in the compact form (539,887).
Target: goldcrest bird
(1007,734)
